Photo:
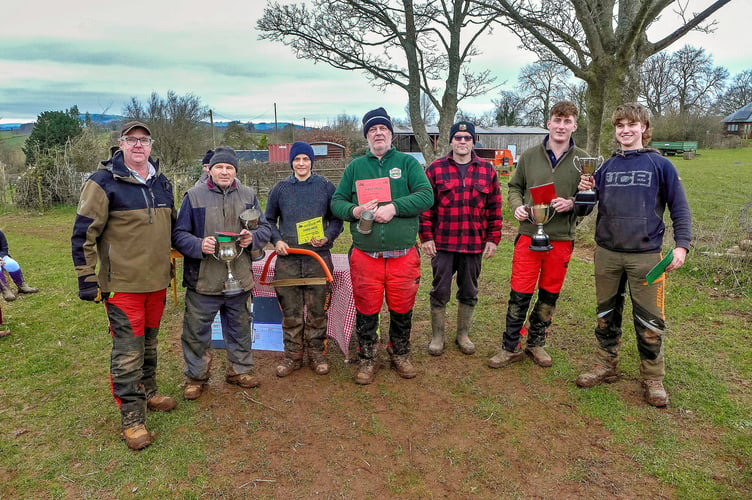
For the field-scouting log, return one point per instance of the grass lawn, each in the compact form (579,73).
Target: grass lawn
(459,430)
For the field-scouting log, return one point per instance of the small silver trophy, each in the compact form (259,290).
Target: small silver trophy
(250,220)
(227,250)
(365,224)
(540,214)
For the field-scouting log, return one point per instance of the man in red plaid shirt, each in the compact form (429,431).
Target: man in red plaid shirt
(462,226)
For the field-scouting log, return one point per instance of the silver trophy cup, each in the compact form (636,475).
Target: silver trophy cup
(587,166)
(540,214)
(228,249)
(250,220)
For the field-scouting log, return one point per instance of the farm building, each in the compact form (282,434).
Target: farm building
(739,122)
(324,150)
(515,139)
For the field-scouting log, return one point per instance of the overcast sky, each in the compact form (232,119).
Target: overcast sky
(97,55)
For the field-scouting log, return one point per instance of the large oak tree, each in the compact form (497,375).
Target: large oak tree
(602,42)
(423,47)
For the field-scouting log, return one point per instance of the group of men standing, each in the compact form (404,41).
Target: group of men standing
(127,222)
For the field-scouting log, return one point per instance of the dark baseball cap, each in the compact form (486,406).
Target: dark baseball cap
(134,124)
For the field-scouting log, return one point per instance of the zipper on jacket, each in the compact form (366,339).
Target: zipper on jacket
(146,199)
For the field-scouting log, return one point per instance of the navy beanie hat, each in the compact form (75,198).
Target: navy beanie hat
(224,155)
(301,148)
(376,116)
(207,157)
(462,127)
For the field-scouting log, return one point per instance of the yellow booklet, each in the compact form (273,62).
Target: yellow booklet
(311,228)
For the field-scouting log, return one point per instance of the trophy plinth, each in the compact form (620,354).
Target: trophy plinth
(540,214)
(228,249)
(584,200)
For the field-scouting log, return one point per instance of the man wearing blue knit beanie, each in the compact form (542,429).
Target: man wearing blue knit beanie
(303,197)
(391,187)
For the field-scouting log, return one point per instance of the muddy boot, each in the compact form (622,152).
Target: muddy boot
(366,373)
(157,402)
(7,293)
(539,356)
(604,370)
(18,279)
(366,326)
(137,437)
(23,287)
(193,389)
(291,362)
(505,358)
(402,365)
(318,362)
(655,394)
(538,323)
(438,316)
(464,323)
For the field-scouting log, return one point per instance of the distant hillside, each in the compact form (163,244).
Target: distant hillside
(101,119)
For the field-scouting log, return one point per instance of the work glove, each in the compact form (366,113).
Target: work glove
(88,288)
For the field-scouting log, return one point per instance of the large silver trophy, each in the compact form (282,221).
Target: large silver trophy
(250,220)
(540,214)
(585,200)
(227,250)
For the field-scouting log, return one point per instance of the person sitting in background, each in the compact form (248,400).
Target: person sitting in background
(12,267)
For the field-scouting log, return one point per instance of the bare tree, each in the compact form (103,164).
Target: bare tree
(603,43)
(427,110)
(175,124)
(738,94)
(541,84)
(508,108)
(656,89)
(697,82)
(421,47)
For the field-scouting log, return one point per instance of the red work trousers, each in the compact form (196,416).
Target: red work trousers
(373,278)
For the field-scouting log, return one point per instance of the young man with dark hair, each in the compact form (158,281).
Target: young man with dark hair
(552,161)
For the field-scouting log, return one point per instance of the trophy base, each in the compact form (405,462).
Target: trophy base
(584,202)
(232,288)
(540,244)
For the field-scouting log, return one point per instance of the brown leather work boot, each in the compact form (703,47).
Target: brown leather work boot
(160,403)
(366,372)
(596,376)
(539,355)
(193,389)
(137,437)
(505,358)
(402,365)
(244,380)
(287,366)
(655,394)
(318,362)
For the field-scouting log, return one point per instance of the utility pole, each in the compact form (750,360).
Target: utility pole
(211,120)
(275,118)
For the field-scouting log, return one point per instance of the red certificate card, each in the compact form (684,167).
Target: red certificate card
(543,194)
(373,189)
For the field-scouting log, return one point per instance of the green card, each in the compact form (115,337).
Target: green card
(657,271)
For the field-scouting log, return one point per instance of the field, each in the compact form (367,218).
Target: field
(458,430)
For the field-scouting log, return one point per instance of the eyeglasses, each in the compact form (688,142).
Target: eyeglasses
(463,138)
(131,141)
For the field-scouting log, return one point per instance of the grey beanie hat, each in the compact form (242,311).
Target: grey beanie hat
(224,155)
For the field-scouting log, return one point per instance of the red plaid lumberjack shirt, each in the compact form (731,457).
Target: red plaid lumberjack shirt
(466,212)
